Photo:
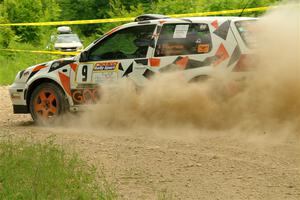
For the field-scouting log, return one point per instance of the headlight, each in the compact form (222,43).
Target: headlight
(79,48)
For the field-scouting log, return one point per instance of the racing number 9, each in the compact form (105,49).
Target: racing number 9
(84,73)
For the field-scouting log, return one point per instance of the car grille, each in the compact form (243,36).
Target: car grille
(69,49)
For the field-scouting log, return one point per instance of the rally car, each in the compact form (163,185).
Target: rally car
(151,45)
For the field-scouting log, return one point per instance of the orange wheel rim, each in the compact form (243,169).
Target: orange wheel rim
(46,104)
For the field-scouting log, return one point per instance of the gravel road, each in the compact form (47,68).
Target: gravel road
(179,163)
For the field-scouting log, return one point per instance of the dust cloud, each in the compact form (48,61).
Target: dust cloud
(269,101)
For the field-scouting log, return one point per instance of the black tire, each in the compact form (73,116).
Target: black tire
(48,103)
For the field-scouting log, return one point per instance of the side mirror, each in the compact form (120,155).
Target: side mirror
(83,56)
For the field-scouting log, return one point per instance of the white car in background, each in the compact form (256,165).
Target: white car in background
(68,42)
(196,47)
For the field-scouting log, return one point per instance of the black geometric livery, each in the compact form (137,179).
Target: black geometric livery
(177,59)
(33,73)
(169,68)
(191,64)
(21,74)
(195,63)
(223,29)
(235,55)
(128,70)
(121,67)
(59,64)
(142,61)
(148,73)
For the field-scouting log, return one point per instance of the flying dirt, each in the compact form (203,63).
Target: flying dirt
(270,99)
(178,140)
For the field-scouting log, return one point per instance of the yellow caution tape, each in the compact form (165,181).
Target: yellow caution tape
(58,23)
(97,21)
(42,52)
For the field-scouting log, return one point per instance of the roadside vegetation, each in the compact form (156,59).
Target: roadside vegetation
(45,171)
(11,63)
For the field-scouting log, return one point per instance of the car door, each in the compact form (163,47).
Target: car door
(120,54)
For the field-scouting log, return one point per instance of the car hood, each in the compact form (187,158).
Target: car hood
(47,67)
(52,63)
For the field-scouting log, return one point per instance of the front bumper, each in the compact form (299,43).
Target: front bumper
(20,109)
(17,93)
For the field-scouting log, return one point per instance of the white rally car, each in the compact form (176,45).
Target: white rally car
(153,44)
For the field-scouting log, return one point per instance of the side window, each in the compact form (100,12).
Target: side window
(244,29)
(128,43)
(183,39)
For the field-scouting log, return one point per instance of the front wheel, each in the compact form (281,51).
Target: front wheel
(47,103)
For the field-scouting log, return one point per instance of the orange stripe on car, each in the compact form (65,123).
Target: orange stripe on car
(38,68)
(182,62)
(73,66)
(221,54)
(215,24)
(112,31)
(65,81)
(154,62)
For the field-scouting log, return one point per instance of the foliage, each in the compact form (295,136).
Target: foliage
(45,171)
(24,11)
(216,5)
(6,34)
(14,11)
(84,9)
(52,10)
(118,9)
(11,63)
(177,7)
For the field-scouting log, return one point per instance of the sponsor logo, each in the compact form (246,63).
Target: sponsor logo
(85,95)
(203,48)
(105,66)
(107,76)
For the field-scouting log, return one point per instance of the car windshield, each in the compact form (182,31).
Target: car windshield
(67,38)
(244,29)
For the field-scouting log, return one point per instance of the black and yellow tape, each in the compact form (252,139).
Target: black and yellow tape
(42,52)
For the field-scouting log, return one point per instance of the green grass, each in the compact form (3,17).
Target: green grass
(11,63)
(45,171)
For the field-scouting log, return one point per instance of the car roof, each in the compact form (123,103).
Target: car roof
(192,19)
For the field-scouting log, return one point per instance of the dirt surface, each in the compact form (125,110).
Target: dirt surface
(181,163)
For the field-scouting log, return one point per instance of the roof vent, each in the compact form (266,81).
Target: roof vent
(150,17)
